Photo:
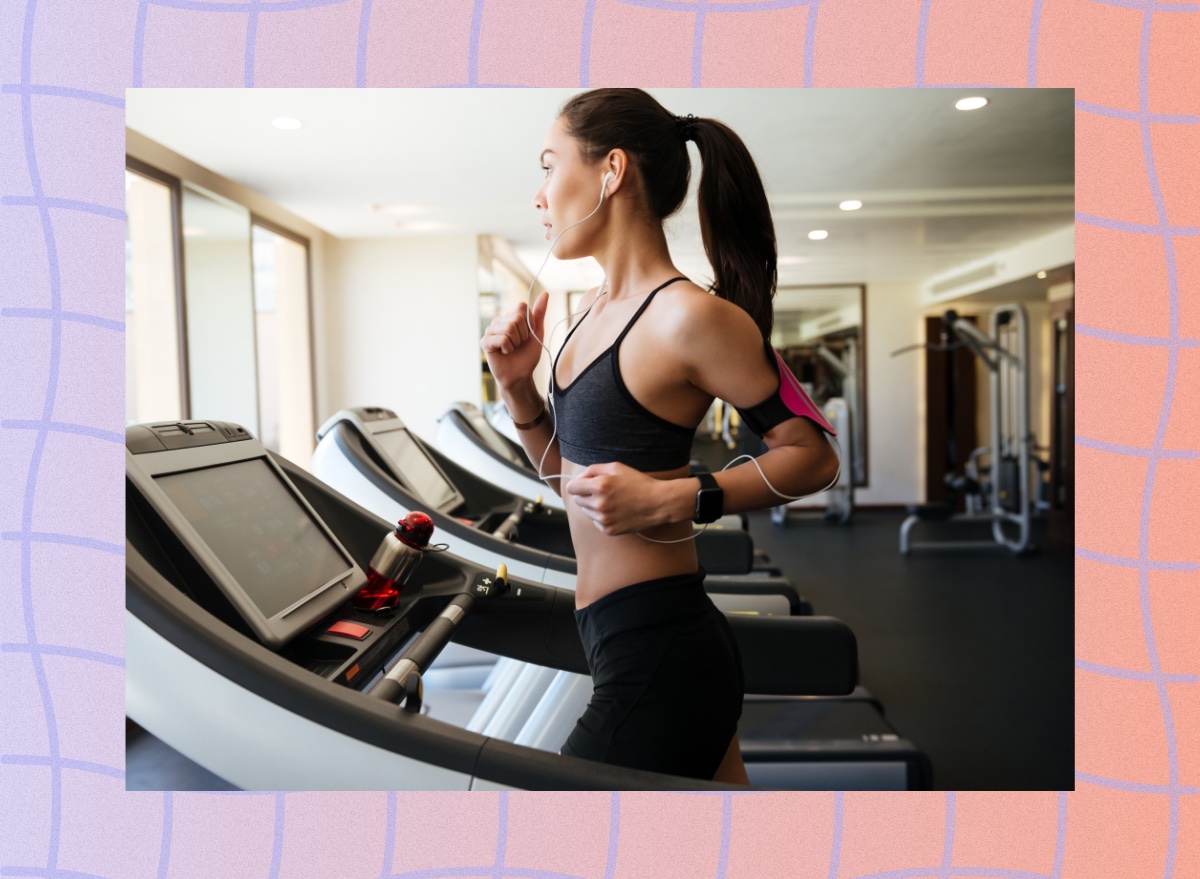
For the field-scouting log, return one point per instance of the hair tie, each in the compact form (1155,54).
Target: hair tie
(685,127)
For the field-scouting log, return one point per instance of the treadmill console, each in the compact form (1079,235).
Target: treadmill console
(376,413)
(401,455)
(275,554)
(237,514)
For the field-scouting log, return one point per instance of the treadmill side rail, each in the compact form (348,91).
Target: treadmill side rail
(796,656)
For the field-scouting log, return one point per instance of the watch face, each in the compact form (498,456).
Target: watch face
(709,502)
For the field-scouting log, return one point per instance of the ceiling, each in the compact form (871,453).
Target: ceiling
(940,187)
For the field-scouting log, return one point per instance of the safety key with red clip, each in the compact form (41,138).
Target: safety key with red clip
(394,562)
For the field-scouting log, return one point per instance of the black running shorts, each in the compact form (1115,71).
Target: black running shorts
(667,679)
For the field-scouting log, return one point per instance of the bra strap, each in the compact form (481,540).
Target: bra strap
(641,308)
(562,347)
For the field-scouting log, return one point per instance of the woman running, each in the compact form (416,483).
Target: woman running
(631,383)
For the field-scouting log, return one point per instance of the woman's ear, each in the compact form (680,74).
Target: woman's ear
(616,165)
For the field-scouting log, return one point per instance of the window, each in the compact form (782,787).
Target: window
(219,291)
(217,314)
(153,385)
(282,333)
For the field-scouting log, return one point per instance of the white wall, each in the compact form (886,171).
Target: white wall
(400,326)
(895,397)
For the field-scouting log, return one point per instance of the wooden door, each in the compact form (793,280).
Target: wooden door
(1062,424)
(949,398)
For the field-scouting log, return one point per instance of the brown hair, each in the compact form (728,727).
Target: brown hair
(735,218)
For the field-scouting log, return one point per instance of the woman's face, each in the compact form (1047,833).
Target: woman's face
(569,192)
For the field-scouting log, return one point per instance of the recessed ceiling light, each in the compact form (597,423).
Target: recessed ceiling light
(818,234)
(970,103)
(1041,274)
(194,232)
(286,123)
(422,226)
(400,210)
(851,205)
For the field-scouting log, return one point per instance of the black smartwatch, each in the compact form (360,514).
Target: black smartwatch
(710,500)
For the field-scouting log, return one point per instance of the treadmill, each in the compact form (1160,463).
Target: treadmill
(244,653)
(370,455)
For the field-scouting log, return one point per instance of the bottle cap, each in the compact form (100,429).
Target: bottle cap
(415,529)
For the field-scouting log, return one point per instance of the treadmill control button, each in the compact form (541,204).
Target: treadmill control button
(234,432)
(491,585)
(484,586)
(349,630)
(526,593)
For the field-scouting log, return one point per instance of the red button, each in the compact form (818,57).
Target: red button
(350,630)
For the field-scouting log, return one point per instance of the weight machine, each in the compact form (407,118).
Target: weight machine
(1000,492)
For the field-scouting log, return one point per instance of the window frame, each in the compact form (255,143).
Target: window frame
(306,243)
(175,185)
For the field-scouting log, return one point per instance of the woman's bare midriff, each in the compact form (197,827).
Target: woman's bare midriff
(607,563)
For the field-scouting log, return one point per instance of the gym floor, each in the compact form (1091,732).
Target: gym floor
(970,654)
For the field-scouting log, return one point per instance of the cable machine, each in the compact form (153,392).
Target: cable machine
(999,492)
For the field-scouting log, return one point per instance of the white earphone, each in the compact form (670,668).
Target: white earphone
(604,184)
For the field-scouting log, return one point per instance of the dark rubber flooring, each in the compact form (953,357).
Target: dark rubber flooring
(971,654)
(151,764)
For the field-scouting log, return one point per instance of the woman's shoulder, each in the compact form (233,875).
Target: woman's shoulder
(693,312)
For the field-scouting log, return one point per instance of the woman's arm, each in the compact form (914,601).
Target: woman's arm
(723,355)
(524,402)
(800,461)
(513,354)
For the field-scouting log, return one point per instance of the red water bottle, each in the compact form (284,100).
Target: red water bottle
(394,562)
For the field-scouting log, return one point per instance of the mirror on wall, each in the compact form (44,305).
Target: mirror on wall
(821,333)
(489,304)
(220,313)
(503,282)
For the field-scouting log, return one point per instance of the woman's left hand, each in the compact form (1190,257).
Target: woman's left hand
(617,498)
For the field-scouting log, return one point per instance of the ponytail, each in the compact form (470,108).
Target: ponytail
(735,223)
(735,219)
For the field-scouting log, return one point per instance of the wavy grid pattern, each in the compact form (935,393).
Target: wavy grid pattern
(63,810)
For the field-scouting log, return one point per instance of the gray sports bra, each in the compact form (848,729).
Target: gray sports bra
(599,421)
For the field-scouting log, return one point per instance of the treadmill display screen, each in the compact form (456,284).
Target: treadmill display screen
(258,531)
(415,468)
